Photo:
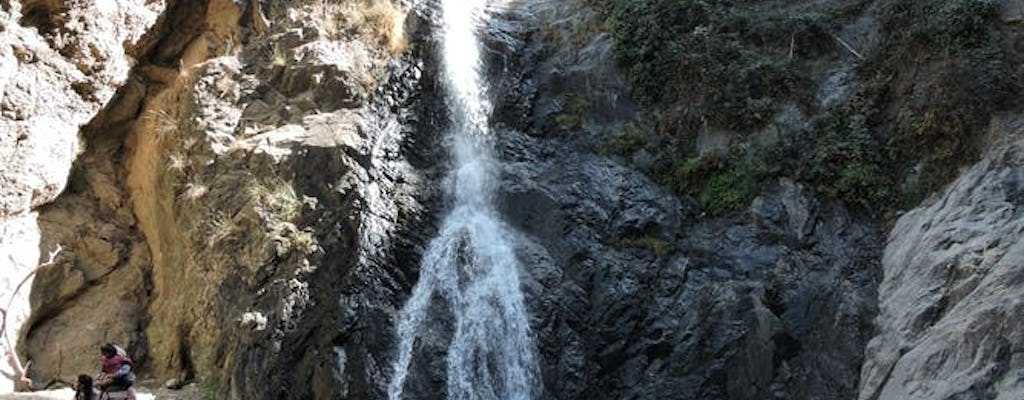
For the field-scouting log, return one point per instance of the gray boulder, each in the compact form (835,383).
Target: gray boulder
(953,294)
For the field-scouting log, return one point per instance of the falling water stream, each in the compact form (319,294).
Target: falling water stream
(470,265)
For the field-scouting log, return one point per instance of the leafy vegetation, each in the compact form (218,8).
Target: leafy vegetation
(944,73)
(574,107)
(630,138)
(838,156)
(721,61)
(720,185)
(210,391)
(924,93)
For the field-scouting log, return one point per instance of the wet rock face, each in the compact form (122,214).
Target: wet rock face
(250,213)
(950,304)
(628,301)
(632,295)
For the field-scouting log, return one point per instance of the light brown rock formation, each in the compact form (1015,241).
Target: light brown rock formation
(60,62)
(181,218)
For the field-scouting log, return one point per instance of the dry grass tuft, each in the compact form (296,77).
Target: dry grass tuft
(177,162)
(164,124)
(379,21)
(193,191)
(276,199)
(220,228)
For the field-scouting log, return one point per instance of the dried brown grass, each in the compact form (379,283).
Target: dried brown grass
(377,21)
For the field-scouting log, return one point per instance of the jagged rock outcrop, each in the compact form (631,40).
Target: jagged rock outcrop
(60,62)
(257,180)
(950,303)
(243,177)
(631,294)
(630,300)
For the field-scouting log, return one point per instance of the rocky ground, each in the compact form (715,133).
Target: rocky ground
(189,392)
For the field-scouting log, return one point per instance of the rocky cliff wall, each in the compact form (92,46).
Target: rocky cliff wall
(632,292)
(56,73)
(234,159)
(951,298)
(255,181)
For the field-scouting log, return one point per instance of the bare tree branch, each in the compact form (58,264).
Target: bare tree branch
(847,46)
(8,344)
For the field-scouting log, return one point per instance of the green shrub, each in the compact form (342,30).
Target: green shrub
(574,107)
(838,156)
(845,161)
(728,191)
(860,184)
(724,63)
(210,391)
(943,72)
(937,74)
(627,141)
(644,30)
(936,28)
(720,184)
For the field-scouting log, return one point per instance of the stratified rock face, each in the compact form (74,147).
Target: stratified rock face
(241,183)
(60,62)
(631,301)
(952,300)
(631,296)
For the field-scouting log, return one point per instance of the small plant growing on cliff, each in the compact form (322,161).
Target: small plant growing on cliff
(287,238)
(177,162)
(627,141)
(379,21)
(193,191)
(210,391)
(847,163)
(721,184)
(574,107)
(657,246)
(164,124)
(276,200)
(219,228)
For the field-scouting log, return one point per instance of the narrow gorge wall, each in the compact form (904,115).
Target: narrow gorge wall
(234,159)
(56,73)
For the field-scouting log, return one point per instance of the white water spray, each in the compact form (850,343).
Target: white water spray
(471,264)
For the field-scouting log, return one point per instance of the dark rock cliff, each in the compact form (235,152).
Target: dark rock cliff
(250,206)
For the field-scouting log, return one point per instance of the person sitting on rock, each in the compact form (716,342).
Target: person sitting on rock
(116,377)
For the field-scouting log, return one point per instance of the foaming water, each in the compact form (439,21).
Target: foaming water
(471,264)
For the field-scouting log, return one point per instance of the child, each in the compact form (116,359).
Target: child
(84,389)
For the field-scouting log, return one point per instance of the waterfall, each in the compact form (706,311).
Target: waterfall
(470,265)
